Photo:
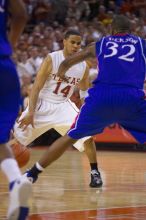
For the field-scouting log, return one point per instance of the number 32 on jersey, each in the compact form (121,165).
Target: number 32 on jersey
(114,50)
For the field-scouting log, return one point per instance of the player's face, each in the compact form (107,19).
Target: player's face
(72,44)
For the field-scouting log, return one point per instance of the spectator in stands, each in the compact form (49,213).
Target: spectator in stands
(35,60)
(41,12)
(25,64)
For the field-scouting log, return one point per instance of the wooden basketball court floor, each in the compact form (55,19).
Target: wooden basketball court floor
(62,191)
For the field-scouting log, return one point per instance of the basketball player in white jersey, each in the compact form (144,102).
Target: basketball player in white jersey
(50,106)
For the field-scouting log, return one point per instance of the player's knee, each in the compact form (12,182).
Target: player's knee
(88,142)
(69,139)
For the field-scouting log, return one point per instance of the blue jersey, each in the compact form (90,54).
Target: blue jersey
(121,60)
(5,48)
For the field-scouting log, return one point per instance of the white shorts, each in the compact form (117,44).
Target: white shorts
(59,116)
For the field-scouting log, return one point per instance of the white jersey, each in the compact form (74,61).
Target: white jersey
(55,90)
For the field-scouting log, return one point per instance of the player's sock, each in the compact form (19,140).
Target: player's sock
(94,166)
(10,167)
(96,180)
(39,167)
(33,172)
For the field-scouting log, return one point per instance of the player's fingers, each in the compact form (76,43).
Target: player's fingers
(24,127)
(19,120)
(32,124)
(20,124)
(23,123)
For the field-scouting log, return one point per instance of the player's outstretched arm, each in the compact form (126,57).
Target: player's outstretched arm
(74,59)
(84,84)
(42,76)
(18,19)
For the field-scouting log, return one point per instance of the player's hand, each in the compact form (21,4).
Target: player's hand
(27,120)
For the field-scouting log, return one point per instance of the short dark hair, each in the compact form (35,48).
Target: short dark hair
(121,23)
(71,32)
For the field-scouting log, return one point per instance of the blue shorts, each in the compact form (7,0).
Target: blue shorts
(108,104)
(9,97)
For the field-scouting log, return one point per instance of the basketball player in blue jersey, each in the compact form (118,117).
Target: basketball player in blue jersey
(117,94)
(20,187)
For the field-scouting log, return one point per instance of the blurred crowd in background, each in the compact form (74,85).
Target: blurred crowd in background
(49,19)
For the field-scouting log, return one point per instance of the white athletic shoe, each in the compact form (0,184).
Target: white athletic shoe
(20,193)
